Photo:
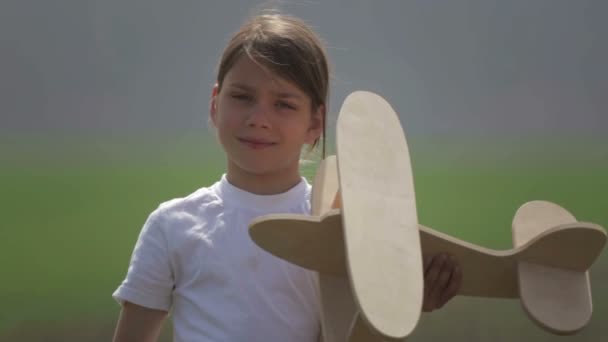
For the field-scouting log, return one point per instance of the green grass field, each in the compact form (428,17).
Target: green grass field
(69,227)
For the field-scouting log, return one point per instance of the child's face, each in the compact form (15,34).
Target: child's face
(263,120)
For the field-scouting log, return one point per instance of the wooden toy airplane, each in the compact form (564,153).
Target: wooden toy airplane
(364,239)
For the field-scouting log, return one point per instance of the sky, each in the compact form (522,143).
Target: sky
(488,68)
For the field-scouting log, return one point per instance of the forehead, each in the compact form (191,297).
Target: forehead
(247,73)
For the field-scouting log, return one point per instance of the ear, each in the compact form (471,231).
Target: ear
(316,125)
(213,105)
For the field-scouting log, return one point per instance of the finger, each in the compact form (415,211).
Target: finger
(426,262)
(431,280)
(432,272)
(453,286)
(440,285)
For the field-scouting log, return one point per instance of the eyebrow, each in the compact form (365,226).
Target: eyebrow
(281,94)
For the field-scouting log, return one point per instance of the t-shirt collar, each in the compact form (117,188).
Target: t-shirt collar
(232,196)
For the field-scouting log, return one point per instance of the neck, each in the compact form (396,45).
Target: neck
(263,184)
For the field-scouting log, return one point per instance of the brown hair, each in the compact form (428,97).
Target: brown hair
(289,48)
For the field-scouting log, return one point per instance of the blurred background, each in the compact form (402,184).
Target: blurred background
(103,115)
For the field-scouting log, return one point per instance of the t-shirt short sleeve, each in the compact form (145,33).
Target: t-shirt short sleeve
(149,281)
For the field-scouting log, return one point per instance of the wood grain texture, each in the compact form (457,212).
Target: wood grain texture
(338,307)
(379,215)
(324,186)
(317,244)
(557,299)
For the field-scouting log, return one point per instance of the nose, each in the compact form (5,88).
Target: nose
(258,116)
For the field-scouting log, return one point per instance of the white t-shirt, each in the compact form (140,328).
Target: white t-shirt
(194,257)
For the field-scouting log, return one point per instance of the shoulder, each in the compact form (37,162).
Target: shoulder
(200,199)
(185,212)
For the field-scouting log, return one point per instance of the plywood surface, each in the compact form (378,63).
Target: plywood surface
(379,216)
(318,245)
(337,303)
(557,299)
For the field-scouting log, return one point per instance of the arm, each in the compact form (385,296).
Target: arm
(149,283)
(137,323)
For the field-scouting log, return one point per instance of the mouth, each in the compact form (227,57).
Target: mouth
(256,143)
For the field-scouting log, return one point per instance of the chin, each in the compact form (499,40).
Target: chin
(256,167)
(261,168)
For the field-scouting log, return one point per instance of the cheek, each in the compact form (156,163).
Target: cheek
(298,131)
(223,128)
(227,118)
(221,120)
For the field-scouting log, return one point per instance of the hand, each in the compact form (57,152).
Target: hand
(442,280)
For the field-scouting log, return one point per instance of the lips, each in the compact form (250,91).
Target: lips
(256,143)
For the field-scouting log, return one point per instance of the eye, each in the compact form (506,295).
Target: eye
(241,97)
(286,105)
